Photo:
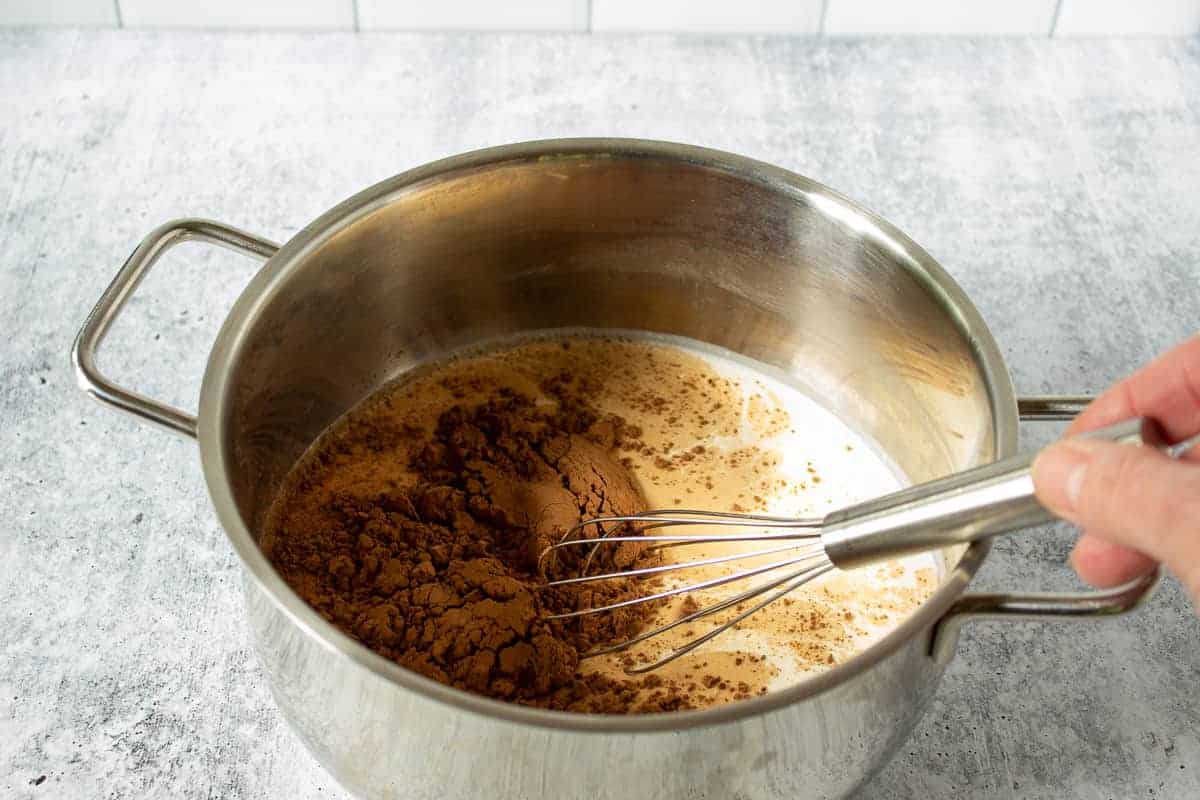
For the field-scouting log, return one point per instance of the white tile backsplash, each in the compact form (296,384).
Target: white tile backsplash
(791,17)
(939,17)
(58,12)
(708,16)
(496,15)
(333,14)
(1128,18)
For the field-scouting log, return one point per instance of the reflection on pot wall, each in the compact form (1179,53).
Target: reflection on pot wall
(619,244)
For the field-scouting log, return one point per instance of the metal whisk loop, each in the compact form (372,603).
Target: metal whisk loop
(794,580)
(801,578)
(669,518)
(684,516)
(661,568)
(694,587)
(793,532)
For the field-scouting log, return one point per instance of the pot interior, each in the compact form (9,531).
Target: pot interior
(657,238)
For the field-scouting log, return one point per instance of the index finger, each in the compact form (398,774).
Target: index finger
(1167,389)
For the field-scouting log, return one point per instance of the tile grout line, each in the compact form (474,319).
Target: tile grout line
(354,12)
(1054,19)
(120,18)
(821,21)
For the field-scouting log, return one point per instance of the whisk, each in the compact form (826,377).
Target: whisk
(964,507)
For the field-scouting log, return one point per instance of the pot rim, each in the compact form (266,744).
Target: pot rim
(268,282)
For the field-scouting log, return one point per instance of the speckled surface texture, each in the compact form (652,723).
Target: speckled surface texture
(1056,180)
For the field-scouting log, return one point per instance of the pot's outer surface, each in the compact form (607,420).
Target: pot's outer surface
(618,234)
(384,741)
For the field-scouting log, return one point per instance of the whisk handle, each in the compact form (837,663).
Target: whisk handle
(964,507)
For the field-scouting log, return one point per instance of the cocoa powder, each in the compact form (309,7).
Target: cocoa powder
(418,532)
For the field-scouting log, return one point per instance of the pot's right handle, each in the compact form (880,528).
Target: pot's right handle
(1051,407)
(1039,605)
(98,323)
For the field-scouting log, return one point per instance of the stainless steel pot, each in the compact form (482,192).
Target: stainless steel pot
(603,233)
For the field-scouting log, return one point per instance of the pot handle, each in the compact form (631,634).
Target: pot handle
(108,307)
(1039,605)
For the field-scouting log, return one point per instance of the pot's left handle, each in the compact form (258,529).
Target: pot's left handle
(1044,606)
(98,323)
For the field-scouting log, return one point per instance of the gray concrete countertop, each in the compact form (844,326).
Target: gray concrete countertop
(1056,180)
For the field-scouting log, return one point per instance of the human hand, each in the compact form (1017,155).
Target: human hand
(1137,506)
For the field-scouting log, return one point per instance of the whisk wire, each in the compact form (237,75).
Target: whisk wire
(698,614)
(661,568)
(686,516)
(663,518)
(692,644)
(694,587)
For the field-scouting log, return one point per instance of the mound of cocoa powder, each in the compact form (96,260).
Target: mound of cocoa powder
(429,555)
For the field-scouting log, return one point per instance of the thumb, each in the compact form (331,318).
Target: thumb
(1133,496)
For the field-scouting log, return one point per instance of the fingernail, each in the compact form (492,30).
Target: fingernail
(1059,472)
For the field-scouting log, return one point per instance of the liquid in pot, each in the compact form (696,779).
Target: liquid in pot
(414,523)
